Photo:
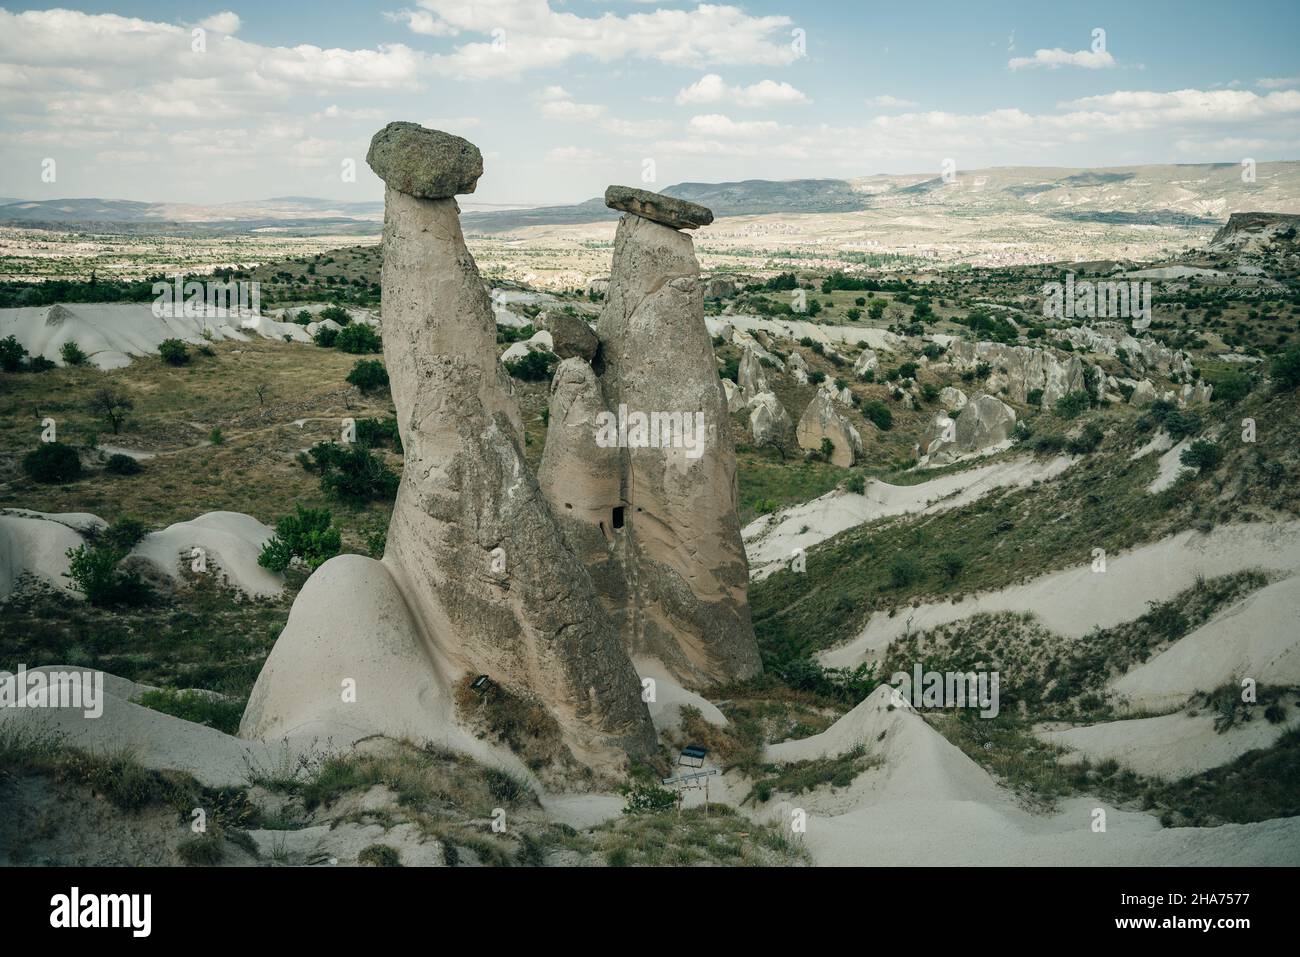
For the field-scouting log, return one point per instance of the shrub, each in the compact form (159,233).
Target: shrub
(1035,397)
(373,433)
(856,484)
(337,313)
(1232,388)
(1087,441)
(380,855)
(12,354)
(72,354)
(355,475)
(1286,368)
(952,564)
(205,850)
(878,414)
(307,535)
(534,367)
(647,798)
(368,375)
(1180,423)
(1072,405)
(53,463)
(904,571)
(929,392)
(93,570)
(827,449)
(216,438)
(39,364)
(123,535)
(325,337)
(173,352)
(816,377)
(1202,455)
(119,464)
(358,339)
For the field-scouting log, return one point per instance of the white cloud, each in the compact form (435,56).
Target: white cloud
(715,124)
(890,102)
(523,35)
(1088,59)
(336,112)
(556,103)
(640,129)
(453,123)
(574,154)
(766,93)
(223,22)
(1277,82)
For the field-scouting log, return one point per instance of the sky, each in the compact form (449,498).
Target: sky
(205,103)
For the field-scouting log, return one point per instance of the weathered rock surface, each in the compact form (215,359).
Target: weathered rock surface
(664,548)
(734,396)
(769,422)
(798,367)
(952,399)
(425,163)
(821,421)
(985,422)
(719,287)
(867,361)
(1027,368)
(571,337)
(676,213)
(751,377)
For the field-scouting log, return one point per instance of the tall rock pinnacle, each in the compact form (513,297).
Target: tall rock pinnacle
(472,542)
(664,546)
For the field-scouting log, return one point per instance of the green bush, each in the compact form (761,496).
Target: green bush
(1202,455)
(358,339)
(53,463)
(645,798)
(173,352)
(40,364)
(308,535)
(534,367)
(368,375)
(1180,423)
(903,571)
(93,570)
(1072,405)
(325,337)
(373,433)
(1035,397)
(856,484)
(123,535)
(220,713)
(380,855)
(357,476)
(337,313)
(1286,368)
(1232,388)
(12,354)
(216,437)
(1087,441)
(72,354)
(119,464)
(878,414)
(952,564)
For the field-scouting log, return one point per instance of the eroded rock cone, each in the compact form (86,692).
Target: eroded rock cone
(666,553)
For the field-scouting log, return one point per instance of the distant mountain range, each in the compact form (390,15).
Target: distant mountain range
(1196,195)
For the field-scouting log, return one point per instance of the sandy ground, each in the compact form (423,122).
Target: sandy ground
(1074,601)
(1169,467)
(770,540)
(1173,745)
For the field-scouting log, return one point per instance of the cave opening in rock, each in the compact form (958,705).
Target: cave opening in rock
(618,517)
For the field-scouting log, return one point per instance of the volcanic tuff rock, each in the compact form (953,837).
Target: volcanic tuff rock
(768,419)
(472,544)
(571,337)
(984,422)
(677,213)
(751,377)
(1027,368)
(424,163)
(664,546)
(821,421)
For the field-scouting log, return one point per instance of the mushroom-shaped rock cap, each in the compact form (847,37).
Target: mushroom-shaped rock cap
(427,164)
(677,213)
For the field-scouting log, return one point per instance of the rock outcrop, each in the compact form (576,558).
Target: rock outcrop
(651,506)
(571,337)
(658,208)
(821,421)
(751,377)
(985,422)
(1027,368)
(473,548)
(769,422)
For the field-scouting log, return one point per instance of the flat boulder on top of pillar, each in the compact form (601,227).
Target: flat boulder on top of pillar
(677,213)
(424,163)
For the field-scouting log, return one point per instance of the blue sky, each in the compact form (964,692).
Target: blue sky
(565,98)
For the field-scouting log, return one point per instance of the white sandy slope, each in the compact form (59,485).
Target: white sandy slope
(1258,637)
(929,804)
(111,334)
(36,544)
(231,541)
(669,697)
(1075,600)
(1173,745)
(770,540)
(1170,467)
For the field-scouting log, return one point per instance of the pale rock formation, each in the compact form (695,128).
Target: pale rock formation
(735,397)
(473,549)
(843,396)
(952,399)
(867,361)
(821,421)
(797,366)
(663,544)
(656,207)
(768,420)
(986,421)
(1144,393)
(1027,368)
(540,341)
(718,287)
(571,337)
(752,378)
(598,287)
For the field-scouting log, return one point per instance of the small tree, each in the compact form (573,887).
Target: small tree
(368,375)
(534,367)
(72,354)
(358,339)
(111,406)
(12,354)
(337,313)
(307,535)
(1202,455)
(174,352)
(1286,368)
